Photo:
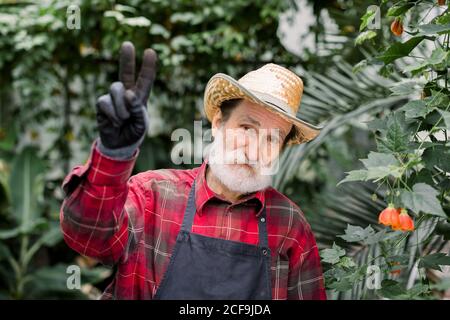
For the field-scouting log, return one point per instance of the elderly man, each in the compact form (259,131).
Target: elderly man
(218,231)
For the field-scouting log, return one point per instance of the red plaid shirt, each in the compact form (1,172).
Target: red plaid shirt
(133,222)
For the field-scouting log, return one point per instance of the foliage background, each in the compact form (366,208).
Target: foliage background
(51,77)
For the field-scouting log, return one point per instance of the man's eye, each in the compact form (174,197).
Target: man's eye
(272,140)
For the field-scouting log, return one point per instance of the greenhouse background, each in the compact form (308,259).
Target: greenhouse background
(378,94)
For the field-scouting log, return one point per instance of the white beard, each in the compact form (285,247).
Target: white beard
(225,166)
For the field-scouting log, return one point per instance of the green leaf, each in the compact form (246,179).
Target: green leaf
(438,100)
(377,125)
(343,284)
(376,159)
(54,279)
(415,68)
(180,41)
(446,118)
(159,30)
(437,61)
(380,165)
(380,236)
(405,88)
(438,156)
(417,291)
(378,173)
(347,262)
(332,255)
(357,233)
(415,109)
(364,36)
(26,186)
(397,135)
(5,253)
(114,14)
(432,29)
(49,238)
(355,175)
(366,19)
(359,66)
(137,22)
(443,18)
(186,17)
(437,56)
(52,236)
(23,229)
(399,50)
(434,261)
(443,285)
(122,8)
(391,289)
(422,198)
(398,10)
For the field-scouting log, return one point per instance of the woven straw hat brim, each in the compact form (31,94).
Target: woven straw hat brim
(223,87)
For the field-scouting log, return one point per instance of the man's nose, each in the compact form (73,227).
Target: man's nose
(252,149)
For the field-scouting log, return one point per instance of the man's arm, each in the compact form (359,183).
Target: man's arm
(305,281)
(101,203)
(93,218)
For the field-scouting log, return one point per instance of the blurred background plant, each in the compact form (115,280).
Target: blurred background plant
(51,76)
(407,170)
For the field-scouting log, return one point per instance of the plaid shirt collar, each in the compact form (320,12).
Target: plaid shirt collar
(203,194)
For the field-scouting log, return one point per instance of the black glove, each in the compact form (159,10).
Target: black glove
(122,114)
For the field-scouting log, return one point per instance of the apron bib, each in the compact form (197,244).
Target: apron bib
(207,268)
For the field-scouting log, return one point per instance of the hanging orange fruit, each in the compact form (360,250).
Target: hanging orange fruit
(397,27)
(395,220)
(406,222)
(388,215)
(395,265)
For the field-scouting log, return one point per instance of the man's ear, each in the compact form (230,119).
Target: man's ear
(216,122)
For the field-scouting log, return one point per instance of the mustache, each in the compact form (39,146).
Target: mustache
(237,156)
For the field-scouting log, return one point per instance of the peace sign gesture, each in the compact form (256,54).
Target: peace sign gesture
(146,77)
(121,114)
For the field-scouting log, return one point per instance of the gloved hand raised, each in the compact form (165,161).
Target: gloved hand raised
(122,114)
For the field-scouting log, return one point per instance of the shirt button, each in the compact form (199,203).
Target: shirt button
(263,220)
(264,252)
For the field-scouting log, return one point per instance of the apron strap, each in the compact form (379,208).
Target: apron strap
(189,214)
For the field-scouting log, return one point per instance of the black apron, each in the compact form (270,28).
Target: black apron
(207,268)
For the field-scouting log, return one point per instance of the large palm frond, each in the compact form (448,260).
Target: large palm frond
(341,98)
(353,204)
(336,99)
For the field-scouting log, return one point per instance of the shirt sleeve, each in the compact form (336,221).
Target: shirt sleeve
(305,280)
(93,217)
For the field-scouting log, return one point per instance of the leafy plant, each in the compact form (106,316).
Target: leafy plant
(409,168)
(27,231)
(51,77)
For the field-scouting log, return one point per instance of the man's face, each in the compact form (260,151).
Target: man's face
(248,143)
(255,131)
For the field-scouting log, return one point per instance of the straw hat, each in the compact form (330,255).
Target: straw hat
(271,86)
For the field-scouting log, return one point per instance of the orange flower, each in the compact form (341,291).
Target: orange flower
(397,27)
(395,220)
(385,215)
(406,222)
(397,271)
